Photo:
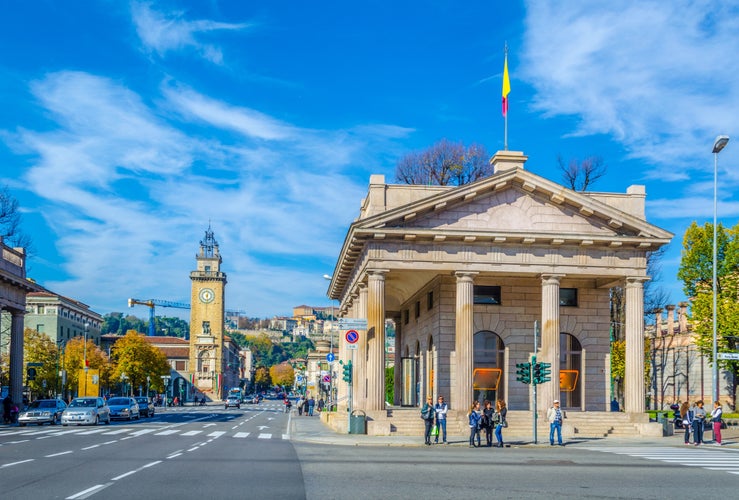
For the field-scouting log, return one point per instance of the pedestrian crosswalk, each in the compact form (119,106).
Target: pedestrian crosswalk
(45,433)
(706,457)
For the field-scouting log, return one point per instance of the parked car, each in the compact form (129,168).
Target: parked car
(42,411)
(123,408)
(146,407)
(233,401)
(86,411)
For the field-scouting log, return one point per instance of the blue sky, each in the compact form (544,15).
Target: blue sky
(128,127)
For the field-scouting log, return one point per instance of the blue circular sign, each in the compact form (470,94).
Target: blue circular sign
(330,357)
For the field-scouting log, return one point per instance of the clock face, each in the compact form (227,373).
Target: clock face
(207,295)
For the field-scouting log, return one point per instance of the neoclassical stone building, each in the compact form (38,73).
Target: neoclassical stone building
(466,272)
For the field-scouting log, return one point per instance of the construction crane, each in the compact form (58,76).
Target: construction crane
(153,303)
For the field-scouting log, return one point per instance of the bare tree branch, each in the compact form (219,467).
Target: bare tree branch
(444,163)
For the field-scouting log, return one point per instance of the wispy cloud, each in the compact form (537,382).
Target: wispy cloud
(164,32)
(659,77)
(129,188)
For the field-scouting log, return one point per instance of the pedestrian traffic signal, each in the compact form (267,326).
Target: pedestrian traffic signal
(347,372)
(542,372)
(31,373)
(523,372)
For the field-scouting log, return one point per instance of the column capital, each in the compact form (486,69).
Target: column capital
(551,279)
(377,273)
(636,281)
(465,275)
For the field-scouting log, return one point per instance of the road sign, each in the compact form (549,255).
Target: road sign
(353,323)
(352,336)
(728,355)
(327,379)
(330,357)
(299,378)
(34,364)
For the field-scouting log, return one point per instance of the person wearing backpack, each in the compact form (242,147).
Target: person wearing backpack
(428,414)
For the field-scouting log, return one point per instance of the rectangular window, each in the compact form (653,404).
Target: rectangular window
(405,317)
(40,328)
(430,300)
(418,309)
(40,309)
(568,297)
(179,365)
(206,327)
(487,295)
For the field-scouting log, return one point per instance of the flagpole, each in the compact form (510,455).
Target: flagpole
(506,91)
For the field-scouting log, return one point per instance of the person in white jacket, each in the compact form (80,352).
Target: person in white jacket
(555,415)
(716,421)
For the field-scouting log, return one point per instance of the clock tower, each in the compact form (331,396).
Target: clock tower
(207,318)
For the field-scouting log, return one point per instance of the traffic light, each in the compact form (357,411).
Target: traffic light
(347,368)
(31,373)
(523,372)
(542,372)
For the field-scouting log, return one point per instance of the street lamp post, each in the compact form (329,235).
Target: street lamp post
(719,144)
(331,363)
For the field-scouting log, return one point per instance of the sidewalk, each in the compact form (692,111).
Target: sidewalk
(312,430)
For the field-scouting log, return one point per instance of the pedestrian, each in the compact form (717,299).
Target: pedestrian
(486,421)
(288,405)
(321,405)
(7,403)
(441,409)
(699,417)
(305,407)
(686,413)
(474,417)
(501,411)
(716,420)
(311,405)
(428,414)
(299,404)
(555,415)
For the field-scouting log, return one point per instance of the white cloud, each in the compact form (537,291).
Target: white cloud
(164,32)
(129,189)
(659,77)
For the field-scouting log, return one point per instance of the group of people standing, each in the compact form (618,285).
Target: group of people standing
(305,405)
(694,420)
(488,419)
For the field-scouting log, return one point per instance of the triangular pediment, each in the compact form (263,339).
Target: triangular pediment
(516,202)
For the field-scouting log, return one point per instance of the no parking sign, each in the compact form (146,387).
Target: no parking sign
(352,337)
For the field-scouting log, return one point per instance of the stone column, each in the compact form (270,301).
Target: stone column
(360,376)
(16,357)
(682,317)
(658,321)
(549,391)
(398,372)
(670,319)
(634,372)
(464,331)
(376,340)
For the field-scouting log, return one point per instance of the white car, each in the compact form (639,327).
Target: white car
(90,411)
(42,411)
(233,401)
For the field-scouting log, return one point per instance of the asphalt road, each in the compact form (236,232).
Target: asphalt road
(209,453)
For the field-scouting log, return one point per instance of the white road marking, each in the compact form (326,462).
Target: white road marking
(58,454)
(241,434)
(191,433)
(88,492)
(265,436)
(167,433)
(216,434)
(16,463)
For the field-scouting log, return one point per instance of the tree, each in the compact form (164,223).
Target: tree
(74,356)
(10,222)
(136,359)
(282,374)
(696,273)
(445,163)
(580,176)
(39,348)
(261,378)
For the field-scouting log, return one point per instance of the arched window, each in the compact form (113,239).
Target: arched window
(488,358)
(570,371)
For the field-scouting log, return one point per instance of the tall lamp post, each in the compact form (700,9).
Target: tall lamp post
(331,363)
(719,144)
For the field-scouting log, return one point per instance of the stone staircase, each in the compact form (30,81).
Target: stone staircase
(585,425)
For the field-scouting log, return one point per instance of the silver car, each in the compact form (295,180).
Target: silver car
(42,411)
(124,408)
(86,411)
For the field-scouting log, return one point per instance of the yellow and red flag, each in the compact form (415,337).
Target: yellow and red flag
(506,85)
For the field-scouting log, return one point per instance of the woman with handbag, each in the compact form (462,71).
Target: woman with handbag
(687,415)
(474,418)
(428,414)
(501,410)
